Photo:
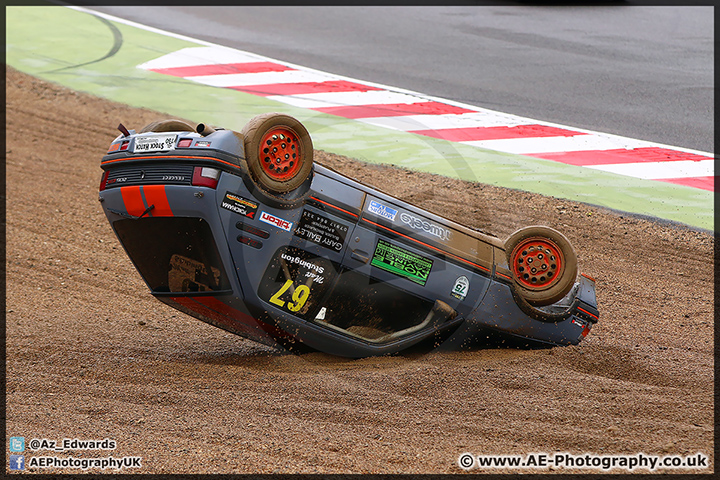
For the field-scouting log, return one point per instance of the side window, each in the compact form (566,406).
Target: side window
(316,289)
(373,310)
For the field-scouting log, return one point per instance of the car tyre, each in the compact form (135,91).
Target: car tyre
(543,264)
(279,153)
(169,125)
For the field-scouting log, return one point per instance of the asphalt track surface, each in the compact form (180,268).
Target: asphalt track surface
(637,71)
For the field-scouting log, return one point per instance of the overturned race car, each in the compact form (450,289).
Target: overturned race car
(243,231)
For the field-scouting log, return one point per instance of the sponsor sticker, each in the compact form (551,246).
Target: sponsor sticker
(276,221)
(460,289)
(423,225)
(382,210)
(202,143)
(240,205)
(296,280)
(401,262)
(321,230)
(154,143)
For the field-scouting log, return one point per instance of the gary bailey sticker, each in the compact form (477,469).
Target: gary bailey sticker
(402,262)
(321,230)
(236,203)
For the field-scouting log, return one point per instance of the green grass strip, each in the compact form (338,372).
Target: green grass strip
(93,55)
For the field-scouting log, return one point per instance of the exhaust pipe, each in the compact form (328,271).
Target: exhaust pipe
(204,130)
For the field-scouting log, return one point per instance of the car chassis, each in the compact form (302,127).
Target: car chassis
(242,230)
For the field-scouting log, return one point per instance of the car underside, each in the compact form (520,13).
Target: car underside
(244,231)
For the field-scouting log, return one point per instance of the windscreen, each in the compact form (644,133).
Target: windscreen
(173,254)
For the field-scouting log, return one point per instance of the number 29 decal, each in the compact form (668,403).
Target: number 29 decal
(300,295)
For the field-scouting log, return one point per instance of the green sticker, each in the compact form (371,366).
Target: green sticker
(402,262)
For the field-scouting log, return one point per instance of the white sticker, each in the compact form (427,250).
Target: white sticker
(460,289)
(154,143)
(382,210)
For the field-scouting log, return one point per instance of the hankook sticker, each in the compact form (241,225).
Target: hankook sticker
(321,230)
(401,262)
(242,206)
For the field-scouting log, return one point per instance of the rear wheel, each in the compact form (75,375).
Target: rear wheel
(279,153)
(170,125)
(543,264)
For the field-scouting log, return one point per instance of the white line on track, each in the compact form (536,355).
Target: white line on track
(334,99)
(409,123)
(661,170)
(248,79)
(678,162)
(576,143)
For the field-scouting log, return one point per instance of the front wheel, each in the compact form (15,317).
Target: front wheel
(543,264)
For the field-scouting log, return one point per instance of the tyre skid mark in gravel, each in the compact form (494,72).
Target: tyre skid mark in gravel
(108,286)
(623,365)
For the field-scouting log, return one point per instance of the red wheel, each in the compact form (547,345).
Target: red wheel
(278,151)
(537,263)
(543,264)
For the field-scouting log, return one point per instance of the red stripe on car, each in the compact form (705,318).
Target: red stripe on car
(246,319)
(170,156)
(155,195)
(132,198)
(588,313)
(333,206)
(192,305)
